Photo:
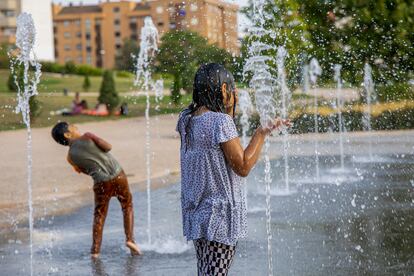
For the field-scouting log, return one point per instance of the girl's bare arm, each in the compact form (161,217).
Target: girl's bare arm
(242,161)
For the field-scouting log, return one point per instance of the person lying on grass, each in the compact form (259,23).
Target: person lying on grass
(90,155)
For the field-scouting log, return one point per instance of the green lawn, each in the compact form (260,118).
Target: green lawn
(50,102)
(52,83)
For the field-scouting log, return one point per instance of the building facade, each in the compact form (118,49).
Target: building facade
(42,17)
(94,34)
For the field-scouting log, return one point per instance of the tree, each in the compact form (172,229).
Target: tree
(4,58)
(181,53)
(125,61)
(350,33)
(284,26)
(86,83)
(108,94)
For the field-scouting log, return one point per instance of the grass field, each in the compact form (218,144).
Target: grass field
(9,120)
(55,83)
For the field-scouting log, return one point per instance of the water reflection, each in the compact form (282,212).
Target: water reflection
(130,267)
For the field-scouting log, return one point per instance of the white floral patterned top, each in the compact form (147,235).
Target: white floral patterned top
(212,199)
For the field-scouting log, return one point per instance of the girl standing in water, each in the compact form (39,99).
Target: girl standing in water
(212,164)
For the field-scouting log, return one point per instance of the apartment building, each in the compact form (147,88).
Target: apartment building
(42,16)
(94,34)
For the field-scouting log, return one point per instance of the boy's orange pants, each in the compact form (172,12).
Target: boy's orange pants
(103,193)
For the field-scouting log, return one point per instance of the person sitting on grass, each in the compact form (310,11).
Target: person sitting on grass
(90,155)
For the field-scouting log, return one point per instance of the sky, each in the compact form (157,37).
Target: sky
(243,21)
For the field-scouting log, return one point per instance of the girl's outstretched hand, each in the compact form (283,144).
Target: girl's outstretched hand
(277,124)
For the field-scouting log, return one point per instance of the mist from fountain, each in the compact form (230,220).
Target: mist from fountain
(143,79)
(369,98)
(26,60)
(314,72)
(339,106)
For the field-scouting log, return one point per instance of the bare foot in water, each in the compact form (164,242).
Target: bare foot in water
(134,248)
(94,256)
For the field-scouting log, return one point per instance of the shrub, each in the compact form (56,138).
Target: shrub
(88,70)
(108,94)
(395,92)
(86,83)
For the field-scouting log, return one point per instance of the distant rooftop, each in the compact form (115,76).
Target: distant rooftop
(80,9)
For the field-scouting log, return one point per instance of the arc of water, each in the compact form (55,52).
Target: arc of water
(25,41)
(314,72)
(337,78)
(148,47)
(369,89)
(285,103)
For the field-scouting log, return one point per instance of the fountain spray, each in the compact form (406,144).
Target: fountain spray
(369,95)
(143,79)
(337,78)
(314,72)
(284,106)
(264,85)
(25,60)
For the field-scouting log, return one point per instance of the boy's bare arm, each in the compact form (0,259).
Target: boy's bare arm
(77,169)
(101,143)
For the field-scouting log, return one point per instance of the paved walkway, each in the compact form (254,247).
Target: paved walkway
(57,188)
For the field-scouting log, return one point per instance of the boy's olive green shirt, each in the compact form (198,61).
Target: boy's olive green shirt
(100,165)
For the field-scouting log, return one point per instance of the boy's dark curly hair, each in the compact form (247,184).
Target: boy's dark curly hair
(58,132)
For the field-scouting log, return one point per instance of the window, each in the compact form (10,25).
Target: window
(134,37)
(193,7)
(67,47)
(80,59)
(67,59)
(9,13)
(88,36)
(116,9)
(172,26)
(89,59)
(160,24)
(118,34)
(9,31)
(117,22)
(66,23)
(78,34)
(118,46)
(79,47)
(77,23)
(89,49)
(88,23)
(66,34)
(194,21)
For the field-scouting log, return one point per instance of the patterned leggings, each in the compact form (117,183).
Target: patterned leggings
(213,258)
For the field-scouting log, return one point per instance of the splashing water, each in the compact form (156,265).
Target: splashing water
(263,84)
(314,72)
(26,89)
(339,105)
(369,97)
(284,106)
(305,78)
(246,109)
(143,79)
